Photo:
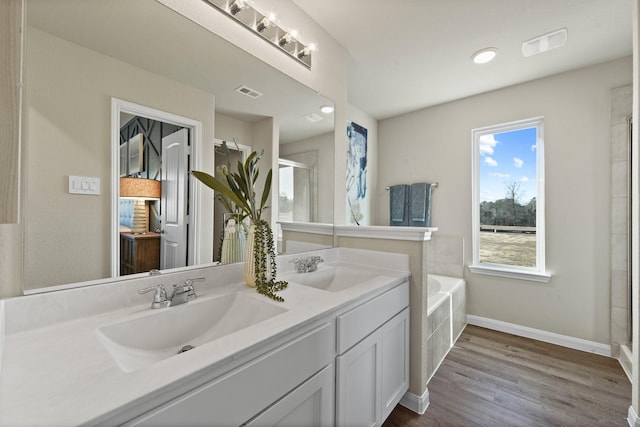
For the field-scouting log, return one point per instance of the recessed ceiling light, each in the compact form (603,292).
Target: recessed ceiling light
(484,55)
(327,109)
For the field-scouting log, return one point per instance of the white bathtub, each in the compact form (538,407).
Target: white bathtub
(446,317)
(439,288)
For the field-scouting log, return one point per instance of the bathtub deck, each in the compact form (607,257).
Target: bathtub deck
(493,378)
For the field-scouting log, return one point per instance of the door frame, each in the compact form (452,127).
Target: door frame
(119,106)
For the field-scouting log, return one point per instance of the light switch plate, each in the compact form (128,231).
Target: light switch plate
(84,185)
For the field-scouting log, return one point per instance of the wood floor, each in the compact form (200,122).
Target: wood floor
(491,378)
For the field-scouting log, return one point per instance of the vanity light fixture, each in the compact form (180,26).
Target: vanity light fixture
(266,22)
(237,6)
(484,55)
(307,51)
(288,38)
(266,26)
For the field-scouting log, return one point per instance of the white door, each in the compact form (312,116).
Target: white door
(173,241)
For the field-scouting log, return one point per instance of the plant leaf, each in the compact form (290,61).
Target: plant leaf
(266,190)
(217,185)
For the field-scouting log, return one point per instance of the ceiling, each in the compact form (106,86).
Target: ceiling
(410,54)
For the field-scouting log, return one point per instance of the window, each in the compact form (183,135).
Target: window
(508,200)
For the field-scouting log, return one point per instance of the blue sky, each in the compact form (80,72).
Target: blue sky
(505,158)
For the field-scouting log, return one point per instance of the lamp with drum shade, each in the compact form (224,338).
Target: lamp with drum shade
(140,190)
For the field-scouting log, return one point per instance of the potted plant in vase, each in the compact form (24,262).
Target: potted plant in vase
(238,189)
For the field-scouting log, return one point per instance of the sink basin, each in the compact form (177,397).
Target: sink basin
(332,278)
(142,341)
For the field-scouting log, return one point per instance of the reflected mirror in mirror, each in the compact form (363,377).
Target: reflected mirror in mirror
(75,65)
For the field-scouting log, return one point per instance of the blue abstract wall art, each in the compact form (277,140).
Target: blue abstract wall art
(357,203)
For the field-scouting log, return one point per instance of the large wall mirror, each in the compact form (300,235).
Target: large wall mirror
(80,56)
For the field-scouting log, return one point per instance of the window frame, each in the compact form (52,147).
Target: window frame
(537,273)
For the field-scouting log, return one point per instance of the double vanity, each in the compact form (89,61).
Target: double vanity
(335,352)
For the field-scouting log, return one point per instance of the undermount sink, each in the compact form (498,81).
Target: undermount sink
(163,333)
(333,278)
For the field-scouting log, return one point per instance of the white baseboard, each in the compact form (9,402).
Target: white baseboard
(540,335)
(625,359)
(632,418)
(417,404)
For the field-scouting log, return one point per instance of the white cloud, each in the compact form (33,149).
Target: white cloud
(517,162)
(490,161)
(500,175)
(487,144)
(524,179)
(534,147)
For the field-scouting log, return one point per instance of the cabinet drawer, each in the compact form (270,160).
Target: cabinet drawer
(240,394)
(359,322)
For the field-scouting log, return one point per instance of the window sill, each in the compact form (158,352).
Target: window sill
(533,276)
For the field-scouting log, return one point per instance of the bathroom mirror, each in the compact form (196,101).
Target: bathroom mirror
(79,56)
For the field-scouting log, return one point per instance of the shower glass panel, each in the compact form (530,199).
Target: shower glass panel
(295,202)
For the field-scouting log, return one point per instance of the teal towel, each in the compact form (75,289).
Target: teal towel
(398,204)
(420,206)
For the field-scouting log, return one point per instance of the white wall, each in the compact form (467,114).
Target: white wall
(233,130)
(434,144)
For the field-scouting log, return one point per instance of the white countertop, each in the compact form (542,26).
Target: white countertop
(62,374)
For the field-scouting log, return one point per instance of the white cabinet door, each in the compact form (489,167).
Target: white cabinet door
(358,389)
(395,361)
(311,404)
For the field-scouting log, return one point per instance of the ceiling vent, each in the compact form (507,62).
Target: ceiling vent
(313,117)
(251,93)
(545,42)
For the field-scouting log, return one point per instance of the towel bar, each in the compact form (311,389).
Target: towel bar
(433,185)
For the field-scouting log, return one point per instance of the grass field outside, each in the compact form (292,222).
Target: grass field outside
(516,249)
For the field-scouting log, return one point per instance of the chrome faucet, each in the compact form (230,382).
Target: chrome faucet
(180,295)
(184,293)
(159,297)
(307,264)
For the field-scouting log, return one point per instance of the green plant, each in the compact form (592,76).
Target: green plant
(265,274)
(236,190)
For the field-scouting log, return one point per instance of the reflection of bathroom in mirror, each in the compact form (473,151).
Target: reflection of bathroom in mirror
(297,189)
(74,67)
(140,204)
(306,193)
(231,156)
